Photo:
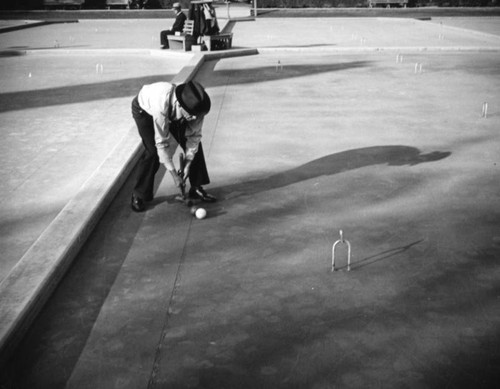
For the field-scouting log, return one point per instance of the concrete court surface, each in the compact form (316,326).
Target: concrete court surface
(87,81)
(324,139)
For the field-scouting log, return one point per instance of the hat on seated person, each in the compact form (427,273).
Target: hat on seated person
(176,6)
(193,98)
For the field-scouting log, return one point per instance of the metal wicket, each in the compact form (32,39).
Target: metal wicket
(344,241)
(484,113)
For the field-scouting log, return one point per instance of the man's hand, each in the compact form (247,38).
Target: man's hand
(185,173)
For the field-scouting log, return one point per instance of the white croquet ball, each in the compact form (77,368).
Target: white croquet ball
(200,213)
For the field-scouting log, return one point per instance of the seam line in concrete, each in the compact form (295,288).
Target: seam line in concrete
(29,285)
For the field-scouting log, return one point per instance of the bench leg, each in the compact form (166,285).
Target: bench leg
(208,43)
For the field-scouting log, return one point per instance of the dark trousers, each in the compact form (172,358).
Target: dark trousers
(164,39)
(149,163)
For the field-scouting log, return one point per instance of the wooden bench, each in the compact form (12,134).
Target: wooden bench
(222,41)
(185,40)
(387,3)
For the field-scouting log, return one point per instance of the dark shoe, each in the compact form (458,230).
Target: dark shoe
(137,204)
(199,193)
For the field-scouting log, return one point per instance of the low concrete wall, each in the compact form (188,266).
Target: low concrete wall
(31,282)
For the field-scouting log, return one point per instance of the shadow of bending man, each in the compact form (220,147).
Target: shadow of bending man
(334,164)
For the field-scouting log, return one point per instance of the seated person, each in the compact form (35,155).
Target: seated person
(178,25)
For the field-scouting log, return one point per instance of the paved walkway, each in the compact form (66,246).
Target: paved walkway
(89,93)
(84,73)
(358,137)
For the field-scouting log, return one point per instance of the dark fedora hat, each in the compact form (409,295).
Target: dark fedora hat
(193,98)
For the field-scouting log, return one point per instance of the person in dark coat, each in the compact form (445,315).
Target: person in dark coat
(169,115)
(178,25)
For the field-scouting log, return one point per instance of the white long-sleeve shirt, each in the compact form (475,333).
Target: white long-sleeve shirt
(155,100)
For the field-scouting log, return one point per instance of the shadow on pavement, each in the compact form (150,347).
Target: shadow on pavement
(381,256)
(334,164)
(13,101)
(75,305)
(270,73)
(67,47)
(354,336)
(72,94)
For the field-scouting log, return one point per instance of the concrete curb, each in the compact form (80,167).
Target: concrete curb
(31,282)
(56,51)
(246,51)
(402,49)
(29,285)
(30,24)
(26,24)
